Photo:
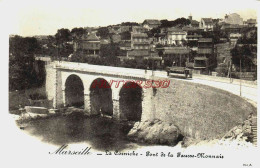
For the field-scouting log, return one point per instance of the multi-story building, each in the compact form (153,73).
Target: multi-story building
(193,35)
(206,24)
(138,29)
(229,28)
(139,41)
(206,58)
(87,44)
(175,36)
(233,19)
(139,45)
(125,45)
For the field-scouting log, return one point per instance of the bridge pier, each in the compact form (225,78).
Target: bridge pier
(87,104)
(147,105)
(64,97)
(116,112)
(116,108)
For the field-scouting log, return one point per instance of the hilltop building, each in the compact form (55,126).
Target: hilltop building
(87,44)
(250,23)
(233,19)
(206,24)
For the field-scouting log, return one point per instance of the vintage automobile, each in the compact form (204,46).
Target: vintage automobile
(179,71)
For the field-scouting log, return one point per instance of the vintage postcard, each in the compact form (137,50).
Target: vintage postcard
(97,82)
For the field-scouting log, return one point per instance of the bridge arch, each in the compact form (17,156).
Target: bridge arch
(101,97)
(130,101)
(74,91)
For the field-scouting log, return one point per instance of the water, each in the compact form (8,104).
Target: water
(101,133)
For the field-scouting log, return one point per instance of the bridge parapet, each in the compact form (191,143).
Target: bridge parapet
(104,70)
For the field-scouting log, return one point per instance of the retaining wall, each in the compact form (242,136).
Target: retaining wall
(200,111)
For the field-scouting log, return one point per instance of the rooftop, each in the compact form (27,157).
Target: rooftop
(194,36)
(251,21)
(138,53)
(200,58)
(90,37)
(152,22)
(205,40)
(232,26)
(190,28)
(207,20)
(174,29)
(139,35)
(176,50)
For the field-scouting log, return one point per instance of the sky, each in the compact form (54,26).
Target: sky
(28,18)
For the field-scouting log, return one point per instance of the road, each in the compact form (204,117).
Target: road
(249,93)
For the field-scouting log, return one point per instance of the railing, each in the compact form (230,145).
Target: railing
(109,70)
(119,71)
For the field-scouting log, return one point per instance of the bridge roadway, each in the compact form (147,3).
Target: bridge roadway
(249,92)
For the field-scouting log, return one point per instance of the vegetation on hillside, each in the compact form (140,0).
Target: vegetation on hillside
(22,73)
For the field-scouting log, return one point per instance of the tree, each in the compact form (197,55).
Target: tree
(166,23)
(181,21)
(77,32)
(249,36)
(222,70)
(244,54)
(103,32)
(109,50)
(125,35)
(63,36)
(153,31)
(22,74)
(177,22)
(129,24)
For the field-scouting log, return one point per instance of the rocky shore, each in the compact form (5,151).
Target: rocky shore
(164,133)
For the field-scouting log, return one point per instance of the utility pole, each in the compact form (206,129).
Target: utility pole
(240,78)
(152,67)
(230,71)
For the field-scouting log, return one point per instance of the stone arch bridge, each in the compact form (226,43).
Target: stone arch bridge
(198,110)
(85,85)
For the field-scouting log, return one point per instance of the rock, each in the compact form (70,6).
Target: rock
(241,133)
(155,132)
